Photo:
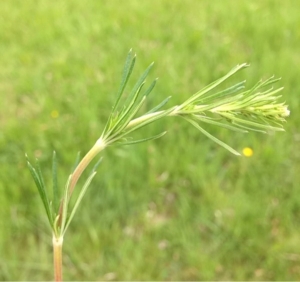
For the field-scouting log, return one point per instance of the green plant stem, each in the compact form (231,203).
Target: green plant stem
(91,154)
(97,148)
(145,117)
(57,257)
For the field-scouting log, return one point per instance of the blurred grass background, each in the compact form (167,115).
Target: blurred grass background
(179,208)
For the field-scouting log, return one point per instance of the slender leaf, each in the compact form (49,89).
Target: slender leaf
(55,226)
(221,124)
(212,85)
(65,204)
(55,184)
(77,160)
(128,108)
(229,91)
(159,106)
(39,172)
(251,123)
(249,128)
(78,200)
(138,84)
(143,140)
(128,67)
(42,190)
(216,140)
(97,164)
(131,109)
(130,116)
(150,88)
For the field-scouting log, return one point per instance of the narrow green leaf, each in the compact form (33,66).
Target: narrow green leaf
(55,226)
(78,200)
(245,122)
(128,108)
(130,116)
(212,85)
(128,67)
(263,83)
(138,84)
(65,205)
(125,117)
(229,91)
(221,124)
(268,121)
(232,100)
(76,161)
(216,140)
(131,100)
(143,140)
(269,81)
(159,106)
(249,128)
(97,164)
(262,98)
(42,191)
(55,184)
(150,88)
(39,172)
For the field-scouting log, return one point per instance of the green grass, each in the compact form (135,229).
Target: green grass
(178,208)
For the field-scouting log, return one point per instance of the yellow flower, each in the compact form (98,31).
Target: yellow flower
(54,114)
(247,152)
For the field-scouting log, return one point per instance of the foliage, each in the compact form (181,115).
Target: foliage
(184,205)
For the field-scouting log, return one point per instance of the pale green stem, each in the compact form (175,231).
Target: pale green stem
(92,153)
(98,147)
(138,120)
(57,257)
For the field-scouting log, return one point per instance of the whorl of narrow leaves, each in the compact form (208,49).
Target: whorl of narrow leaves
(234,108)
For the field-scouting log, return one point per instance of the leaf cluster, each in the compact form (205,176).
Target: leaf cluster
(59,210)
(234,108)
(118,124)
